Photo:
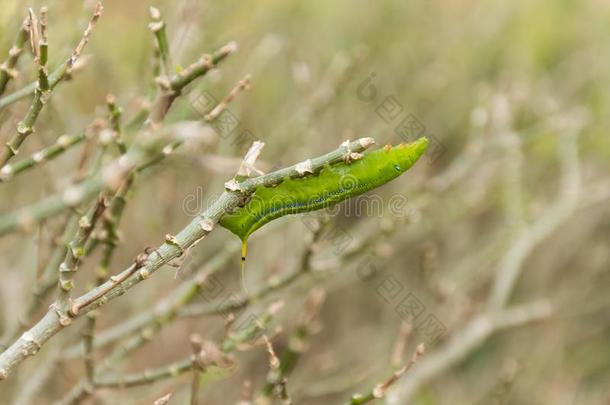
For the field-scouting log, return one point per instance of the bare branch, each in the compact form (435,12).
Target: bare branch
(381,389)
(242,85)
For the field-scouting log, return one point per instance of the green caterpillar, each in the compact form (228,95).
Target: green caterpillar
(331,185)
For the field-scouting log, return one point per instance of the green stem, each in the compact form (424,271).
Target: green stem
(76,250)
(158,28)
(54,78)
(62,144)
(7,71)
(179,81)
(115,114)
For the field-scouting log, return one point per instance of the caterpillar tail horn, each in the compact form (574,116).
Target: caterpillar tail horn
(243,265)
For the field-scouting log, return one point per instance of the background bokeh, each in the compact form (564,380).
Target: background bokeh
(501,88)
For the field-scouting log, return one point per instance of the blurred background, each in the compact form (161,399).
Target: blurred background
(493,250)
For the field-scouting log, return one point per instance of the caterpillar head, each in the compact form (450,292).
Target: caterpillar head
(405,155)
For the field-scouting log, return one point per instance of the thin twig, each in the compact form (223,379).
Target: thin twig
(76,250)
(381,389)
(88,340)
(158,28)
(401,343)
(62,144)
(198,367)
(242,85)
(174,85)
(115,113)
(279,381)
(150,322)
(7,68)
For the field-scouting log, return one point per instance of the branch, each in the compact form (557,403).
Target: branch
(27,217)
(7,69)
(153,320)
(171,370)
(172,88)
(381,389)
(62,144)
(60,73)
(115,113)
(242,85)
(174,247)
(198,367)
(148,324)
(201,226)
(279,382)
(157,27)
(168,311)
(76,250)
